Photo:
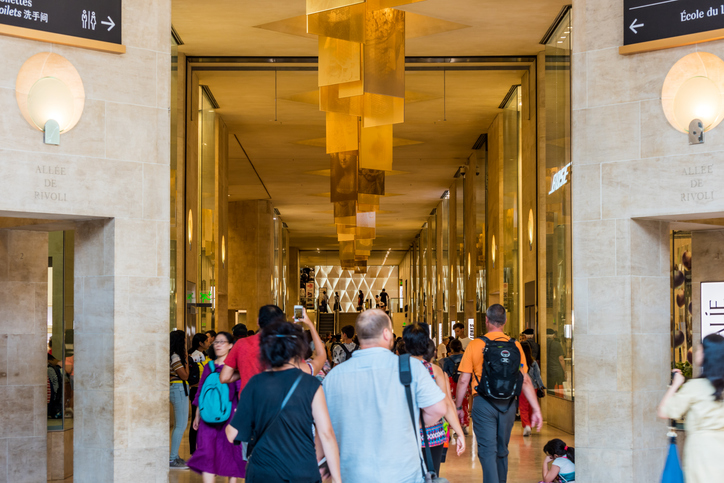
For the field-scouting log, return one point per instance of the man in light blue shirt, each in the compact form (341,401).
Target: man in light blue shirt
(369,412)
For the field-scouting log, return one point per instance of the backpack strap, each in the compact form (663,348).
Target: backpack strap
(406,380)
(276,417)
(211,366)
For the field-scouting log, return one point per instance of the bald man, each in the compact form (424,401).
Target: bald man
(369,411)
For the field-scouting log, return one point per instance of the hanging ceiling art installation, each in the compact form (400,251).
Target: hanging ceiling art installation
(362,92)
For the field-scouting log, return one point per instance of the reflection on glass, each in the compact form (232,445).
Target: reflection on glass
(432,236)
(559,329)
(511,194)
(444,284)
(424,282)
(481,289)
(460,251)
(682,331)
(60,335)
(207,215)
(174,181)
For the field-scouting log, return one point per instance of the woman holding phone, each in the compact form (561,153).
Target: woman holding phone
(284,405)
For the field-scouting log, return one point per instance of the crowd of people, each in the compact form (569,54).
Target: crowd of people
(284,404)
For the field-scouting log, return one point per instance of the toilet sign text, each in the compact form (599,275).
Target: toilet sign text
(81,23)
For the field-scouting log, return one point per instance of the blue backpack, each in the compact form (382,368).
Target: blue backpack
(214,402)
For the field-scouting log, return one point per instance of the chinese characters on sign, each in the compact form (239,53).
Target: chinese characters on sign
(712,308)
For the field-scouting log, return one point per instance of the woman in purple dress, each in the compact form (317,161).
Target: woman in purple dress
(214,454)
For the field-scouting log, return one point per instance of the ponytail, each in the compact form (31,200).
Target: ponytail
(557,447)
(713,367)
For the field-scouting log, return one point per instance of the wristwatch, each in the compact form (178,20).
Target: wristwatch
(459,408)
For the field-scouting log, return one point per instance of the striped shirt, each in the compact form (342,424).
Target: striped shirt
(176,363)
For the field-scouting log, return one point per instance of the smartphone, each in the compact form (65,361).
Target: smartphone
(298,312)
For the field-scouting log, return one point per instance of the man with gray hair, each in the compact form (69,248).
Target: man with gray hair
(369,411)
(493,418)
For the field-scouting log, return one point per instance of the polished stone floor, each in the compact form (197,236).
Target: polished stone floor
(525,460)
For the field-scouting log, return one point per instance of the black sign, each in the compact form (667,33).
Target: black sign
(646,20)
(87,19)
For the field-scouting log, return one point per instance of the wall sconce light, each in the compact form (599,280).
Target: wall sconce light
(531,228)
(50,94)
(692,95)
(492,250)
(223,252)
(190,228)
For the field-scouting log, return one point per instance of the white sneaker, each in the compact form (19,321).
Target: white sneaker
(526,431)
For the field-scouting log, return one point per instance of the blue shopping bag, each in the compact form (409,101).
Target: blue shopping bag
(672,470)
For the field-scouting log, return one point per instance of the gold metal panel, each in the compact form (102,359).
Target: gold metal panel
(348,265)
(343,176)
(382,110)
(346,23)
(342,133)
(367,203)
(375,148)
(352,89)
(378,4)
(346,250)
(371,182)
(314,6)
(363,246)
(345,210)
(329,101)
(365,225)
(384,52)
(340,61)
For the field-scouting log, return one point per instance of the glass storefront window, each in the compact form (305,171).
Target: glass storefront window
(424,285)
(174,182)
(511,194)
(559,315)
(682,340)
(459,314)
(208,216)
(444,284)
(60,336)
(481,195)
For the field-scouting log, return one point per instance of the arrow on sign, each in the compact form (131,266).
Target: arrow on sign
(111,24)
(633,25)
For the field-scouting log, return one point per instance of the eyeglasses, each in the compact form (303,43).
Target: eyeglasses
(220,342)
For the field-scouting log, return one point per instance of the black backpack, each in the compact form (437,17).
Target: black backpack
(502,379)
(194,372)
(347,352)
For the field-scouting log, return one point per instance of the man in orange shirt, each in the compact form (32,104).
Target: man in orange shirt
(493,418)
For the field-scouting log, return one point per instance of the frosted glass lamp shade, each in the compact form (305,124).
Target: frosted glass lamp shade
(50,99)
(698,98)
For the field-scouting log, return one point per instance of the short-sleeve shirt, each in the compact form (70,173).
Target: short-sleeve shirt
(368,408)
(176,363)
(567,471)
(285,451)
(473,357)
(244,358)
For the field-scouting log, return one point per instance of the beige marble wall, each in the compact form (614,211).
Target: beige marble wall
(112,167)
(23,362)
(628,164)
(251,257)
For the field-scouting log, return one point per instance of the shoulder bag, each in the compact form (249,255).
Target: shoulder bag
(406,379)
(254,440)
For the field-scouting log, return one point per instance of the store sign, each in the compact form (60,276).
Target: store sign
(663,21)
(471,328)
(559,179)
(81,23)
(712,308)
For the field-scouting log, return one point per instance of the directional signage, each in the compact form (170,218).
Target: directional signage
(664,21)
(85,23)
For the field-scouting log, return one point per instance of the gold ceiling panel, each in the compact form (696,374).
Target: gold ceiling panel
(417,25)
(329,101)
(340,61)
(343,179)
(342,133)
(345,209)
(375,149)
(316,6)
(346,23)
(382,110)
(384,52)
(292,26)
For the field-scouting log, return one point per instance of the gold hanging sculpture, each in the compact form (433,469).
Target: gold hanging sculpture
(362,90)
